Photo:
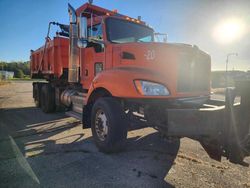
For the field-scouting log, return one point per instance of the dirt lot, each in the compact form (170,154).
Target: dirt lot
(51,150)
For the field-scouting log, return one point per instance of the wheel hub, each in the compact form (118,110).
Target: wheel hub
(101,125)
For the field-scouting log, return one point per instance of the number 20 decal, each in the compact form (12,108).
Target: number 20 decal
(150,55)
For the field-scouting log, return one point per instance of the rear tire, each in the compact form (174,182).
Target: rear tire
(48,98)
(108,125)
(37,94)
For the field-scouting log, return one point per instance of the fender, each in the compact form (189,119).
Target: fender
(120,81)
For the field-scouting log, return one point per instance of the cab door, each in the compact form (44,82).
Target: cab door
(92,57)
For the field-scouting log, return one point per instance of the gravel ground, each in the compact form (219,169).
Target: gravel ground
(52,150)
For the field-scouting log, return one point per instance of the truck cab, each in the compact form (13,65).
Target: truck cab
(123,49)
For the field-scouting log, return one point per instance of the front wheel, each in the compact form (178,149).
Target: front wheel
(108,125)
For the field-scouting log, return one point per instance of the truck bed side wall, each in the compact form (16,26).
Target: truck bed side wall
(55,59)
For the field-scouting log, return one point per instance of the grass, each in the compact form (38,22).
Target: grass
(25,79)
(4,82)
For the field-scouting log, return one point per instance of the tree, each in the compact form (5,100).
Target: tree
(14,66)
(20,73)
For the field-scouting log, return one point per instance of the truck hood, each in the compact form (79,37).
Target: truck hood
(162,53)
(182,67)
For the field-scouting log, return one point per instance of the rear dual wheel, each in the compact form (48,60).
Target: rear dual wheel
(47,98)
(108,125)
(36,94)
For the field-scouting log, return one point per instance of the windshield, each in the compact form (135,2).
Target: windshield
(122,31)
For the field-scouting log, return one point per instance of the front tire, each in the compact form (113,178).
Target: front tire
(108,125)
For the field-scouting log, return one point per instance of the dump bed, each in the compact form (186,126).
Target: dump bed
(52,61)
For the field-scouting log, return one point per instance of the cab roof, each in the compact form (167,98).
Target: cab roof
(87,8)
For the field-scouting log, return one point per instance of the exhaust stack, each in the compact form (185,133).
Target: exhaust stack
(73,74)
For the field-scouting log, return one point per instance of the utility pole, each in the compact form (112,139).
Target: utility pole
(228,55)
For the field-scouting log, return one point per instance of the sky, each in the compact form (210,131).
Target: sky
(217,27)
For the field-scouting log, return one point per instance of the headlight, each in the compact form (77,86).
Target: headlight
(151,88)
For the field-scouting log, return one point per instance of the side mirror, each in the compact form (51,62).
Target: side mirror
(83,32)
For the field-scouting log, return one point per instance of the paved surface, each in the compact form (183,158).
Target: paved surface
(51,150)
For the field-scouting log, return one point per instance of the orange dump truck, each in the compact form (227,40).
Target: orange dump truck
(106,69)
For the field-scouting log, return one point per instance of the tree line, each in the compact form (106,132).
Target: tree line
(21,69)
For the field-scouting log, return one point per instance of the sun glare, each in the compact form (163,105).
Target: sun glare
(229,30)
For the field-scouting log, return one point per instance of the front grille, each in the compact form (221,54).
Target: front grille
(193,73)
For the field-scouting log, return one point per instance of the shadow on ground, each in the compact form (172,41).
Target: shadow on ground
(50,150)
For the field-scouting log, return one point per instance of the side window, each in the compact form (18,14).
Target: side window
(96,31)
